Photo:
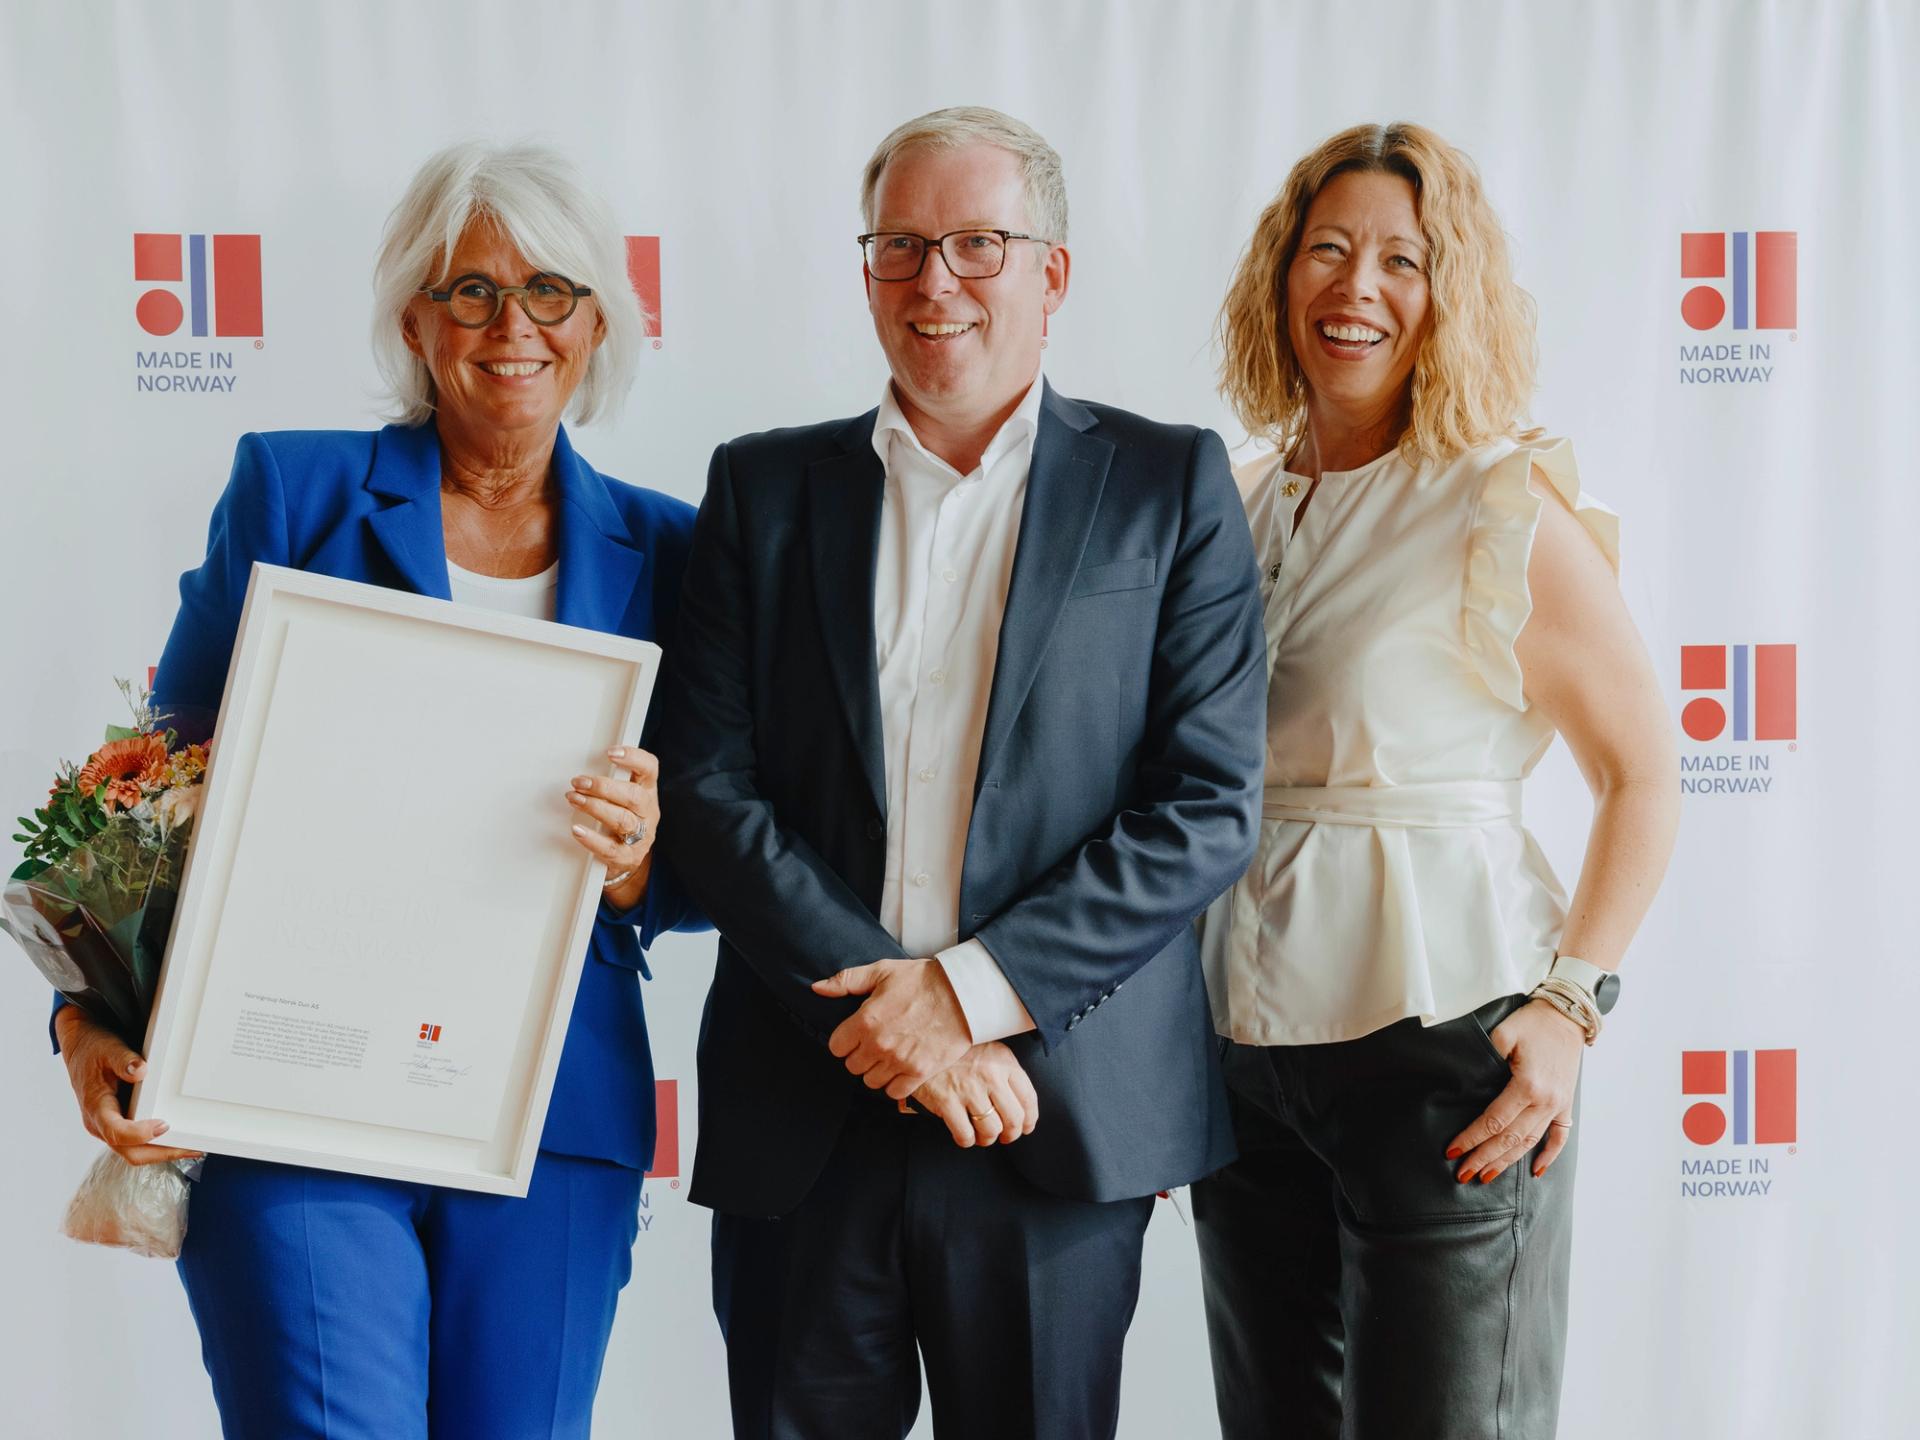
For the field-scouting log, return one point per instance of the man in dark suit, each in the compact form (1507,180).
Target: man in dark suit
(966,728)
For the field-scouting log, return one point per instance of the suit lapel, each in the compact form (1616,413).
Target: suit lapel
(843,500)
(599,566)
(1064,483)
(406,473)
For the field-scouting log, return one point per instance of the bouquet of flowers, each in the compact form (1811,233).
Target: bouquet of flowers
(91,904)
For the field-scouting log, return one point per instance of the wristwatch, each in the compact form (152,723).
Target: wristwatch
(1603,985)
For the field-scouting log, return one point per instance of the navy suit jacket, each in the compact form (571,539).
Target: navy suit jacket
(365,505)
(1118,793)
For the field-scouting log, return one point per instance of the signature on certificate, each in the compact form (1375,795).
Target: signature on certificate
(434,1072)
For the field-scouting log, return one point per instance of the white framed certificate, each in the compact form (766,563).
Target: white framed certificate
(383,915)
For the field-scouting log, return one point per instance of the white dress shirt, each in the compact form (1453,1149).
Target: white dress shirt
(939,593)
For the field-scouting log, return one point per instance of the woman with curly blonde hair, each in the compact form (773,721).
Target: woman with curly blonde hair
(1405,988)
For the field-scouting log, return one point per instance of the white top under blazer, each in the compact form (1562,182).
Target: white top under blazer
(1394,876)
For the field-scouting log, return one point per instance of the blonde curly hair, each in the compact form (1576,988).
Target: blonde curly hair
(1474,374)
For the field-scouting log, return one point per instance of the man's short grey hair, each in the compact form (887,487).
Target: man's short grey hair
(977,125)
(536,199)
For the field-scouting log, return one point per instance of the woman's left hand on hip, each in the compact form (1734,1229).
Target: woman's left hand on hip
(628,812)
(1543,1049)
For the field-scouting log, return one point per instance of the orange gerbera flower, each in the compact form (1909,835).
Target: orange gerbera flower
(122,795)
(141,759)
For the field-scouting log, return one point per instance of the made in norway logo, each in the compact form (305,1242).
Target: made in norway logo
(1740,1100)
(1734,697)
(643,273)
(429,1033)
(666,1147)
(200,288)
(1741,281)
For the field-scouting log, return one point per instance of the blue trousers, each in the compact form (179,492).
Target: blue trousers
(351,1308)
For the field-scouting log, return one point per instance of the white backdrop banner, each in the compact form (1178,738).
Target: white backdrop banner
(1711,202)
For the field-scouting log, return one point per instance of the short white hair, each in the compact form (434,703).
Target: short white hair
(977,125)
(538,202)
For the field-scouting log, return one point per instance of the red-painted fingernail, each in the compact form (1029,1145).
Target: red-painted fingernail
(1486,1176)
(1465,1175)
(1455,1153)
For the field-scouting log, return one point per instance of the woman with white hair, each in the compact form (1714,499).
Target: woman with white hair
(341,1305)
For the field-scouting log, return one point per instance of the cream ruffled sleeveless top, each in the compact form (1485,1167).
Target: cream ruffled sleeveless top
(1394,876)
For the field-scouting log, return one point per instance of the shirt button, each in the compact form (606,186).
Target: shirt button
(950,575)
(938,677)
(921,881)
(927,774)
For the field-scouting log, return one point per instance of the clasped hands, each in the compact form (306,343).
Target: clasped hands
(910,1038)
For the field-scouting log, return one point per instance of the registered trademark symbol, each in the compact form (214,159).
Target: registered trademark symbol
(656,344)
(1793,745)
(259,344)
(1791,1150)
(673,1184)
(1793,335)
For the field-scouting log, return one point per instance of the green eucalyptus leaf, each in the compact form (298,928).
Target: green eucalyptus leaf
(67,835)
(121,732)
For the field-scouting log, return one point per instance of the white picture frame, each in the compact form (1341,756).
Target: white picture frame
(383,915)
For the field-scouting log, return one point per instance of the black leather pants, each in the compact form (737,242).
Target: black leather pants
(1354,1288)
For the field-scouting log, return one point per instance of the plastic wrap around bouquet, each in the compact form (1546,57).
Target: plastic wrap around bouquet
(91,905)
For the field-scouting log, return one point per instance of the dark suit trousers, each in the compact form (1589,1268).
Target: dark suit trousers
(1354,1288)
(1018,1300)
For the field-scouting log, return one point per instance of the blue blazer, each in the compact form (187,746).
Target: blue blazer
(1118,793)
(365,506)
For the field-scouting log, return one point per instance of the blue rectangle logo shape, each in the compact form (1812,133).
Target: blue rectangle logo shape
(197,281)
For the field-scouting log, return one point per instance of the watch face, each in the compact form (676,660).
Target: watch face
(1607,992)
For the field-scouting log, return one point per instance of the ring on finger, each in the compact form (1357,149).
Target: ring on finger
(635,835)
(988,1114)
(1560,1124)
